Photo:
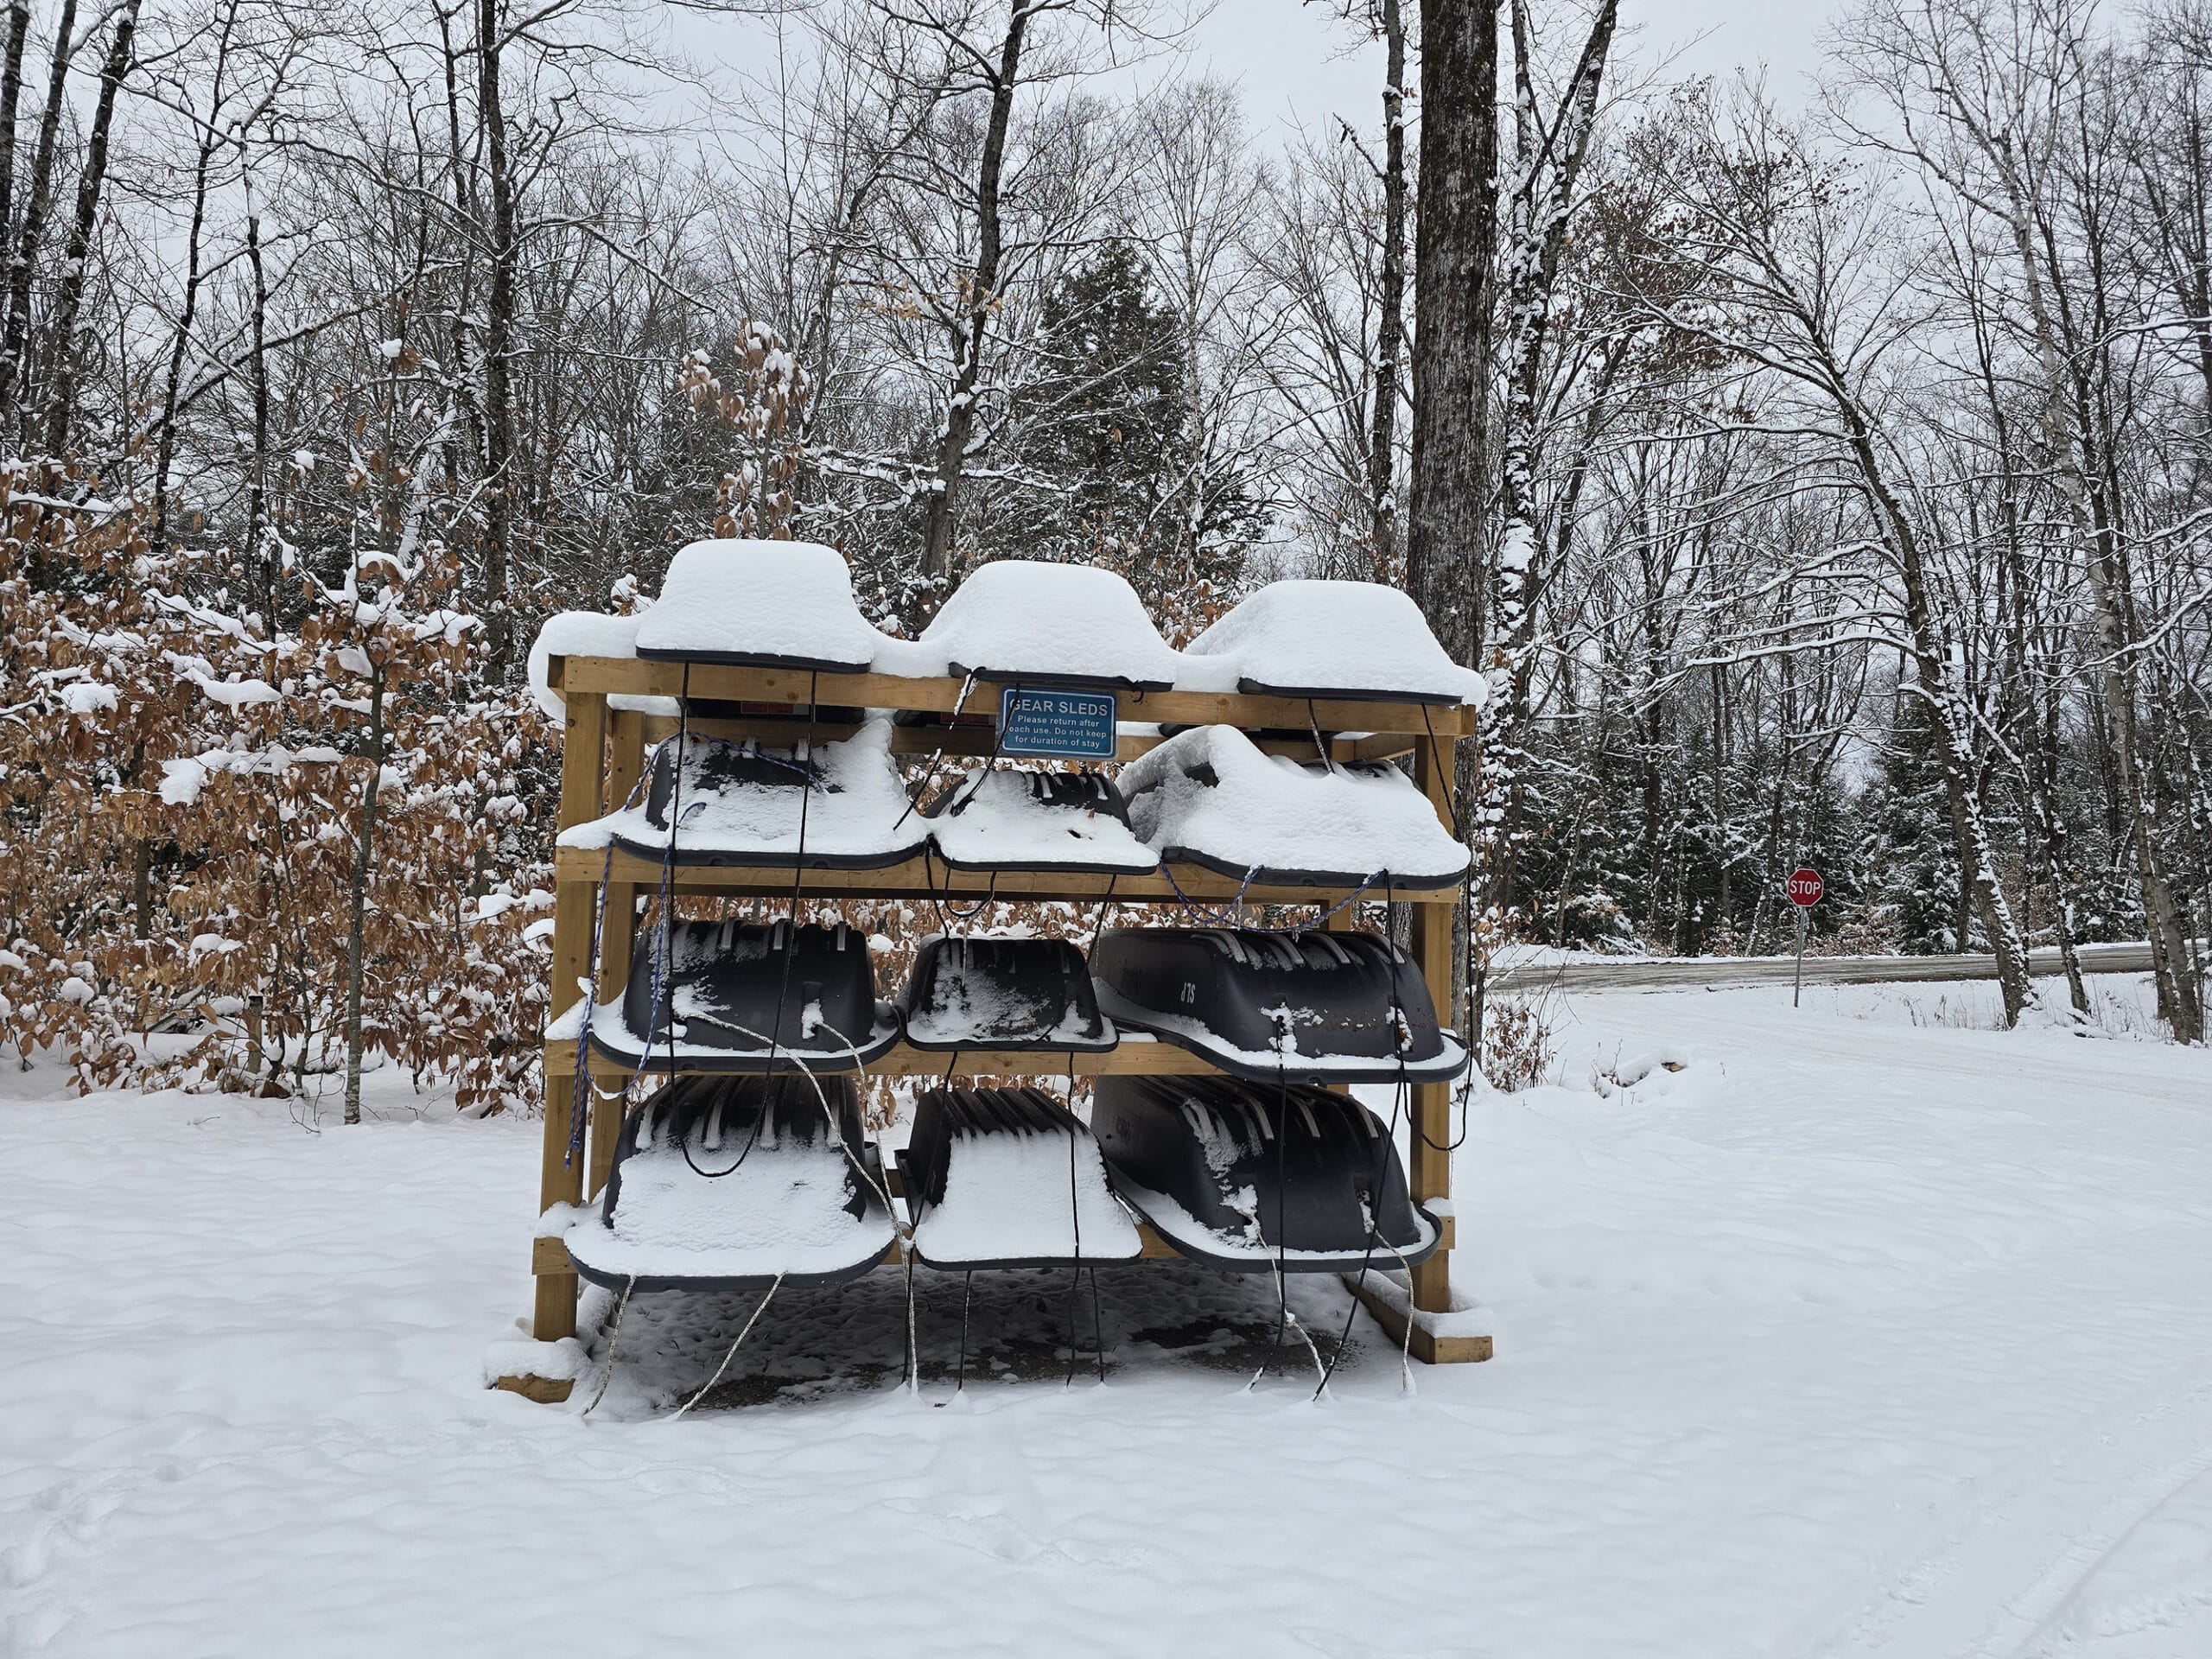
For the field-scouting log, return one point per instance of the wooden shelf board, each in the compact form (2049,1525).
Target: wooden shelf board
(549,1255)
(922,879)
(1135,1057)
(975,743)
(723,681)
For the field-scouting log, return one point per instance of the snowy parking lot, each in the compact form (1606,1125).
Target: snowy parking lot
(1854,1330)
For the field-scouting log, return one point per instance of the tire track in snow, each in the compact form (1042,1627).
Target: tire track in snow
(1998,1569)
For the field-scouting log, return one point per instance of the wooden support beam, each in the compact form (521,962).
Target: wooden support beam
(971,742)
(921,879)
(1137,1056)
(728,683)
(1430,1175)
(549,1256)
(561,1173)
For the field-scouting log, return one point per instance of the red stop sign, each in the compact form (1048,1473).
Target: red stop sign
(1805,888)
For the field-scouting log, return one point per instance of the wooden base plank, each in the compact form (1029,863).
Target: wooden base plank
(546,1390)
(1426,1346)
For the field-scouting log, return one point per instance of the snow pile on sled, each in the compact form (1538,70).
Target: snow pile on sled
(761,604)
(1209,797)
(1010,1178)
(1337,640)
(1021,622)
(1029,818)
(839,805)
(723,1183)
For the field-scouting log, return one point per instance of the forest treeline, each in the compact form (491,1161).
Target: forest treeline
(1820,480)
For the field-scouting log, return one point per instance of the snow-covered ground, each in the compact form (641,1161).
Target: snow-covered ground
(1867,1331)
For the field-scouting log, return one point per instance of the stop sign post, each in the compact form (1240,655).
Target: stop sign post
(1804,888)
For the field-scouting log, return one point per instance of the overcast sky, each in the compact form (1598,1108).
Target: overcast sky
(1296,65)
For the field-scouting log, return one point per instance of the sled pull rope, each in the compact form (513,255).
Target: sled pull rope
(1313,725)
(1227,919)
(1284,1316)
(937,759)
(1384,1148)
(613,1336)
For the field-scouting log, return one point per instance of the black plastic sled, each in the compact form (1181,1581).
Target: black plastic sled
(1008,818)
(750,997)
(723,1183)
(1303,1007)
(1036,1215)
(741,806)
(1007,993)
(1243,1178)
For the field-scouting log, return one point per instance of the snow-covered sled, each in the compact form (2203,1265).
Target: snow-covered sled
(726,1182)
(1210,797)
(1008,818)
(1022,622)
(709,801)
(760,605)
(1339,640)
(1010,1178)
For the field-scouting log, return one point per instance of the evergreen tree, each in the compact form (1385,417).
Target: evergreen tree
(1911,844)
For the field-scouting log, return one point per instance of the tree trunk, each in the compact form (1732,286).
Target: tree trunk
(1455,241)
(1969,831)
(357,899)
(260,555)
(189,305)
(2068,423)
(11,96)
(499,342)
(22,258)
(1390,325)
(62,406)
(973,317)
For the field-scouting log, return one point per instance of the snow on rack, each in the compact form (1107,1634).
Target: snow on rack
(1211,794)
(577,633)
(759,603)
(791,603)
(1336,639)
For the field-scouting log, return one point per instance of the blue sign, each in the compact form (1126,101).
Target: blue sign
(1078,725)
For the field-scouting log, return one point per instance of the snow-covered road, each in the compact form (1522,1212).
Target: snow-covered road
(1853,1337)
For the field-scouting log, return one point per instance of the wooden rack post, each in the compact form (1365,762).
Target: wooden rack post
(603,756)
(560,1176)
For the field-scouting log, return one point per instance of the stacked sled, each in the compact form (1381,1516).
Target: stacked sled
(769,742)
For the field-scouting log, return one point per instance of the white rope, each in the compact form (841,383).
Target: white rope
(614,1336)
(732,1354)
